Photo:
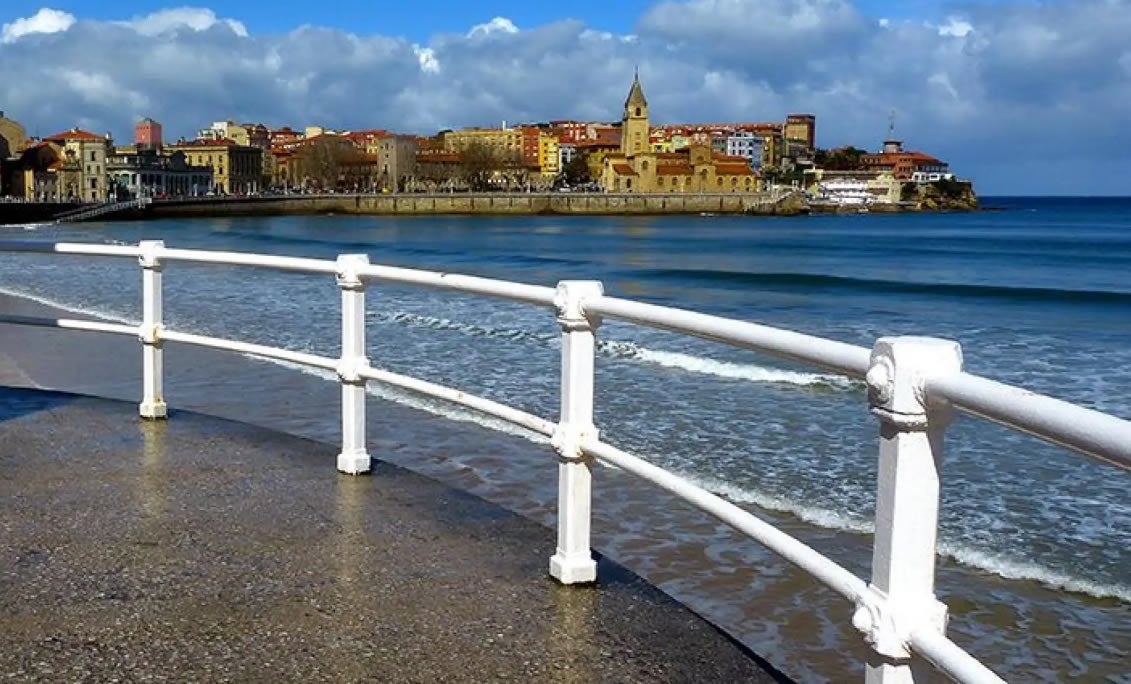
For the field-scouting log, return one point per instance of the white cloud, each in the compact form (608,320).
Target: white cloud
(495,26)
(44,21)
(427,58)
(192,18)
(977,90)
(955,27)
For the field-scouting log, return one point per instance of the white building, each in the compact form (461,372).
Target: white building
(566,153)
(748,145)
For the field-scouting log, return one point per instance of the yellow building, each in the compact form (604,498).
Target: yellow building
(507,141)
(83,171)
(696,168)
(549,155)
(236,169)
(13,137)
(801,128)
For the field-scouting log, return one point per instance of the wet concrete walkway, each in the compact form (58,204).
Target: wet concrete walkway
(200,549)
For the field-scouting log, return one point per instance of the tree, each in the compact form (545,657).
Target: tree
(324,161)
(576,171)
(841,159)
(479,162)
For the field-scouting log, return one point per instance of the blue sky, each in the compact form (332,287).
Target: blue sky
(1024,97)
(420,20)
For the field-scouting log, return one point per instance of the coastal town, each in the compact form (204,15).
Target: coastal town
(632,156)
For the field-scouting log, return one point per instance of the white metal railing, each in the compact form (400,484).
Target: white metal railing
(914,384)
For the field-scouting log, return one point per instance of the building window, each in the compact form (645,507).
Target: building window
(92,157)
(719,181)
(660,181)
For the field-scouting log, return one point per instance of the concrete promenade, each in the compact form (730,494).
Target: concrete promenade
(200,549)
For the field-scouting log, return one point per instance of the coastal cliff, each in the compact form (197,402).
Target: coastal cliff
(944,195)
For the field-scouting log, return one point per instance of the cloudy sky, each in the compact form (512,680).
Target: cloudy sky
(1024,97)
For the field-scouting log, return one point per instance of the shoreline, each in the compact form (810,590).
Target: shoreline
(765,204)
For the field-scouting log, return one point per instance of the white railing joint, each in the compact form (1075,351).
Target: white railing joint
(887,626)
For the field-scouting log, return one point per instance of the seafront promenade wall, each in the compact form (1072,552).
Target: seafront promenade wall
(32,212)
(520,204)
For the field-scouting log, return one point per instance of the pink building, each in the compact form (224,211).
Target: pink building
(147,132)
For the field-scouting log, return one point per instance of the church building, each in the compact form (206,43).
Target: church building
(695,169)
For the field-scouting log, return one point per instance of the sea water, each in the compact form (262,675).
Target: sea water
(1034,540)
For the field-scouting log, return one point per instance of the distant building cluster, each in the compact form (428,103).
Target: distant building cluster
(633,155)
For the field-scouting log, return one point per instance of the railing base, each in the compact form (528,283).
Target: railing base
(354,462)
(579,569)
(153,410)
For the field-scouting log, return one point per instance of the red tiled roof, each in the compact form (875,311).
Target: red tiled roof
(75,134)
(674,170)
(734,170)
(623,170)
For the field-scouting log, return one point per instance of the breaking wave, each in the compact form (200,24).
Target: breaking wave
(630,351)
(999,564)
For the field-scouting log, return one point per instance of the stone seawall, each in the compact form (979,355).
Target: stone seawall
(32,212)
(469,204)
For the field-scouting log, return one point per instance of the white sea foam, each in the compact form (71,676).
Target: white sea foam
(1020,569)
(416,401)
(83,311)
(722,369)
(814,515)
(999,564)
(630,351)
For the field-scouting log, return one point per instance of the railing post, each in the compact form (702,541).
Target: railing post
(152,375)
(573,563)
(901,596)
(354,459)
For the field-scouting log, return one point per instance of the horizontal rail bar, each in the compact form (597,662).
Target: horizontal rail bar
(303,358)
(511,415)
(71,324)
(532,294)
(80,248)
(951,659)
(282,263)
(827,571)
(493,408)
(1099,435)
(841,357)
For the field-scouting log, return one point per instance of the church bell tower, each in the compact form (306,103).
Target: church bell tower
(634,125)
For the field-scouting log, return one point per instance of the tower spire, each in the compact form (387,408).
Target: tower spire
(635,93)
